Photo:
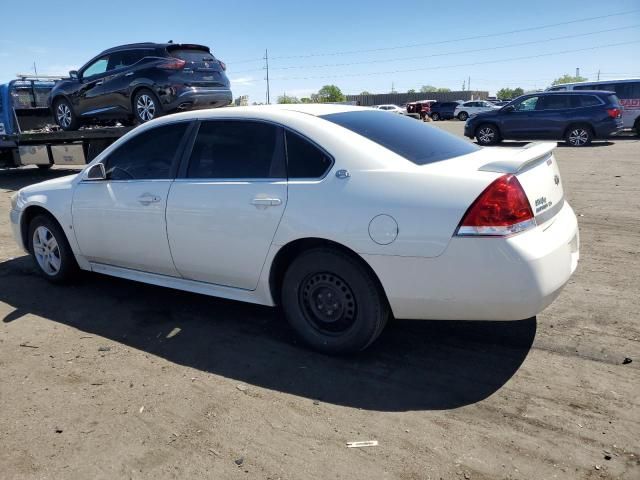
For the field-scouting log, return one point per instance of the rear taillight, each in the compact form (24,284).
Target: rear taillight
(223,65)
(502,209)
(614,112)
(173,64)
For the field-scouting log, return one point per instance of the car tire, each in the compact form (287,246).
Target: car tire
(146,106)
(45,167)
(333,302)
(578,135)
(435,116)
(487,134)
(462,116)
(64,115)
(50,250)
(636,126)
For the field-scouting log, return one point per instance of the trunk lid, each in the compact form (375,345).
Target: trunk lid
(537,171)
(201,68)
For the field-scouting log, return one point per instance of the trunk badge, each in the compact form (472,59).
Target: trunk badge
(556,179)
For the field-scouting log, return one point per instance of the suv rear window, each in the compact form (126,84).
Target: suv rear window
(415,141)
(192,54)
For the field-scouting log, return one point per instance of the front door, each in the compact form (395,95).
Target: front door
(225,208)
(120,221)
(521,122)
(87,100)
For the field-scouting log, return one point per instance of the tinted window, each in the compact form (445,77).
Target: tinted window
(584,87)
(305,160)
(126,58)
(413,140)
(626,90)
(149,155)
(97,67)
(553,102)
(237,149)
(192,55)
(589,101)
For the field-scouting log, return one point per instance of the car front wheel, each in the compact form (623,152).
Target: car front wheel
(462,116)
(579,136)
(333,302)
(50,250)
(487,134)
(435,116)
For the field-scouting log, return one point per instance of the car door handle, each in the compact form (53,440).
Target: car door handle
(128,74)
(266,202)
(99,83)
(148,199)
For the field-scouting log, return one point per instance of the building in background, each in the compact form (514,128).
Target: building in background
(242,101)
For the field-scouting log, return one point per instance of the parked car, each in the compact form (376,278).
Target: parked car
(501,103)
(392,108)
(139,82)
(442,110)
(468,109)
(627,90)
(577,117)
(362,216)
(419,109)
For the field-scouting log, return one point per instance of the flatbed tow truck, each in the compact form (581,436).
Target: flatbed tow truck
(29,136)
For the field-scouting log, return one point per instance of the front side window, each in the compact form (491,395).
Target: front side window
(415,141)
(527,105)
(150,155)
(97,67)
(237,149)
(305,160)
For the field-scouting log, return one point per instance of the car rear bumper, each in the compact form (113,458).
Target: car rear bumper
(484,278)
(200,97)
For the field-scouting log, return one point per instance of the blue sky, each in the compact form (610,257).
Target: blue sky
(424,36)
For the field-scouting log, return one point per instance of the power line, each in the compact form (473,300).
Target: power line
(475,37)
(456,52)
(422,69)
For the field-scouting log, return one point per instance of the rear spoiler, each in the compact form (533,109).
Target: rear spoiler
(528,156)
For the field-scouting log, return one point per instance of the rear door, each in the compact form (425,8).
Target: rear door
(201,68)
(225,208)
(121,71)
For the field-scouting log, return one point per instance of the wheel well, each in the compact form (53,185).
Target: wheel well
(579,124)
(287,254)
(29,214)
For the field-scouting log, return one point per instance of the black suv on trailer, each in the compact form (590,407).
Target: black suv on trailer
(139,82)
(575,116)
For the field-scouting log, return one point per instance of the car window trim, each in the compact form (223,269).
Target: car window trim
(175,162)
(184,163)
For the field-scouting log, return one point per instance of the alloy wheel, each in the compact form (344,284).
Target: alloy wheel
(328,303)
(578,137)
(46,251)
(486,135)
(146,107)
(63,113)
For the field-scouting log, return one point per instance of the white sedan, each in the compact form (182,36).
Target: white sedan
(345,216)
(468,109)
(392,108)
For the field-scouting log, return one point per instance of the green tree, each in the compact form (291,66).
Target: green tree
(288,99)
(305,100)
(443,90)
(508,93)
(427,89)
(329,93)
(566,78)
(364,92)
(517,92)
(411,90)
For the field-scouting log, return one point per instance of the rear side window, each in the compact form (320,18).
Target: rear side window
(192,54)
(415,141)
(589,101)
(150,155)
(305,160)
(237,149)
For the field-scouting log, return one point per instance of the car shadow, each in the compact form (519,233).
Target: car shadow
(415,365)
(517,144)
(15,178)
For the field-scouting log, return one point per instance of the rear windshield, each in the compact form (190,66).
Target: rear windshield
(414,140)
(192,54)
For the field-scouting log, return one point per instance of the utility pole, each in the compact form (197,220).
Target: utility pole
(598,75)
(469,84)
(463,85)
(577,71)
(266,60)
(35,70)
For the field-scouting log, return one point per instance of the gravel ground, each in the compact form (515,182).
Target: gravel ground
(112,379)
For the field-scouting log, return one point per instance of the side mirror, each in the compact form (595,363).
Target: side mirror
(96,172)
(508,108)
(73,74)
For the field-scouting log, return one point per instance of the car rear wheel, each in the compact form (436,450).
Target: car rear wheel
(50,250)
(435,116)
(64,115)
(333,302)
(487,134)
(579,135)
(462,116)
(146,106)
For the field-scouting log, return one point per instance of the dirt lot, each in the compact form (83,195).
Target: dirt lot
(113,379)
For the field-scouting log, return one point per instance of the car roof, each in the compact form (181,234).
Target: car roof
(141,45)
(572,92)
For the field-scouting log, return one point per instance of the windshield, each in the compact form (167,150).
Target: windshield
(415,141)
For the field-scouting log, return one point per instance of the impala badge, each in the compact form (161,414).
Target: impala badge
(556,179)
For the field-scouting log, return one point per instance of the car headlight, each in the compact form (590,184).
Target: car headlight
(14,201)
